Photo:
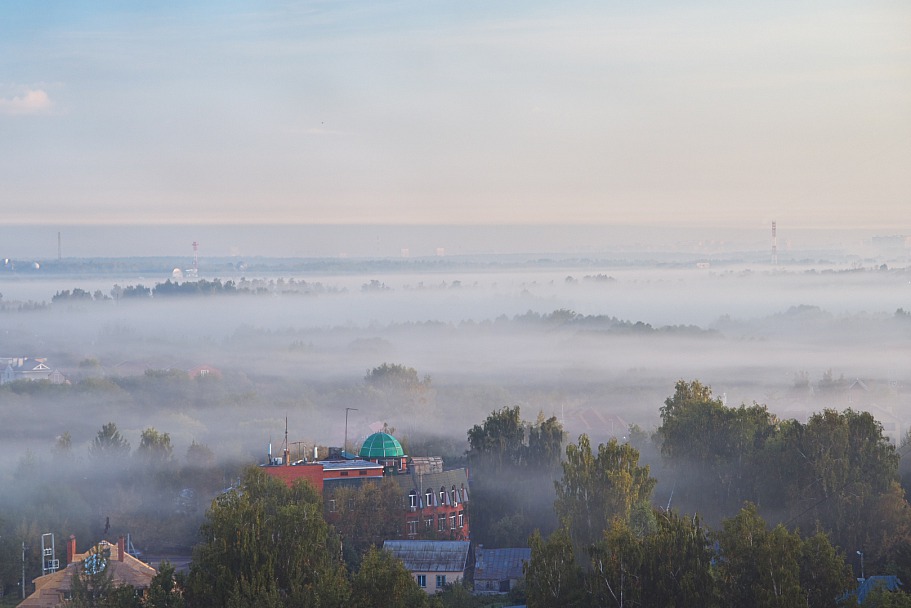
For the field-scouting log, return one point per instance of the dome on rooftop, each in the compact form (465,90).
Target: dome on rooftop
(381,445)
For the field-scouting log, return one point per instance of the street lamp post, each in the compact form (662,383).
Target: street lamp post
(347,409)
(861,554)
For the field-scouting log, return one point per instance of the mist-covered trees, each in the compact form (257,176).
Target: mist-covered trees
(836,472)
(109,443)
(599,487)
(265,544)
(365,516)
(514,464)
(154,447)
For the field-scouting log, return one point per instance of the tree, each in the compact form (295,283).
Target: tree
(382,580)
(164,590)
(266,544)
(154,447)
(545,442)
(842,472)
(109,444)
(552,578)
(499,441)
(760,567)
(366,516)
(598,487)
(717,451)
(512,478)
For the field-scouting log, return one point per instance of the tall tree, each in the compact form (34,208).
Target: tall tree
(264,542)
(598,487)
(512,478)
(382,580)
(552,578)
(366,516)
(154,447)
(109,443)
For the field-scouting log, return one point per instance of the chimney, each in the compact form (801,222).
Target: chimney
(71,549)
(121,548)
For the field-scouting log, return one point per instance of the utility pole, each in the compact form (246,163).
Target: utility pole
(347,409)
(23,569)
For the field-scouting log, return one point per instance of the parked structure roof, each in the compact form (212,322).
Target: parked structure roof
(500,564)
(431,555)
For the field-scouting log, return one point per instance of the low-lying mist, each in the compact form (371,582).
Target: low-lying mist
(599,348)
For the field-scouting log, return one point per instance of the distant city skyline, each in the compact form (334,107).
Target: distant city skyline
(676,114)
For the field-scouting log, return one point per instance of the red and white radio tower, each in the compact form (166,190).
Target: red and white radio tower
(195,257)
(774,245)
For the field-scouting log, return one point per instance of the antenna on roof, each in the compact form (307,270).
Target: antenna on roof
(286,453)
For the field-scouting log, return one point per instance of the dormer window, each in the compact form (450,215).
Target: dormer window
(413,499)
(452,494)
(429,497)
(442,495)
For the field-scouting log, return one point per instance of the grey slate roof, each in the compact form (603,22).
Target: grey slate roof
(431,555)
(500,564)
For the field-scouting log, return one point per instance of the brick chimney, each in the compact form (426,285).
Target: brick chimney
(71,549)
(121,548)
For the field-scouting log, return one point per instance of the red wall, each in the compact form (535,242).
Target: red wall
(311,472)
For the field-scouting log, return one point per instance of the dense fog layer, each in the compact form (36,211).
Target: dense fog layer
(598,347)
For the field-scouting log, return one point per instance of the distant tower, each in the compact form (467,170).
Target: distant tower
(774,245)
(195,258)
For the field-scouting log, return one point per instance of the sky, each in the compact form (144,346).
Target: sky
(469,113)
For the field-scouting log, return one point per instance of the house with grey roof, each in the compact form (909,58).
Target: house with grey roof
(499,570)
(433,563)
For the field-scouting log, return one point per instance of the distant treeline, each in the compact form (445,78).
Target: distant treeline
(202,287)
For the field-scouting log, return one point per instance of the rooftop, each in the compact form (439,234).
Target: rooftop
(381,445)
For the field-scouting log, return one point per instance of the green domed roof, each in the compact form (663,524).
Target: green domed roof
(381,445)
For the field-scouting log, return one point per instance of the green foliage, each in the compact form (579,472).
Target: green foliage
(511,478)
(154,448)
(382,580)
(165,589)
(880,597)
(266,544)
(761,567)
(499,441)
(109,444)
(599,487)
(366,516)
(718,449)
(552,578)
(395,376)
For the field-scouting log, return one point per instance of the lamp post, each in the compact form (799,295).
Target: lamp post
(347,409)
(861,554)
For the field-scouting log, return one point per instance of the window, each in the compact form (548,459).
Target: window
(333,507)
(441,522)
(362,472)
(344,473)
(452,494)
(412,527)
(461,519)
(422,581)
(429,497)
(441,580)
(452,520)
(428,522)
(412,499)
(442,496)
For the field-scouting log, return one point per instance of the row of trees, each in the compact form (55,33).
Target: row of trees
(837,472)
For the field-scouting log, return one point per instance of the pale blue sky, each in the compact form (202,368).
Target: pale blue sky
(456,112)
